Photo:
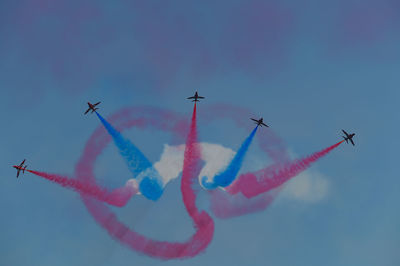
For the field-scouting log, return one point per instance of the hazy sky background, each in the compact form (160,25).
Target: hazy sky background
(310,68)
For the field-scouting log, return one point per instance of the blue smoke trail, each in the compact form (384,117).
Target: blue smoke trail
(142,169)
(226,177)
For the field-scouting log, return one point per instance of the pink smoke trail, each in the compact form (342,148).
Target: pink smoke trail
(118,197)
(260,188)
(191,169)
(253,184)
(225,205)
(104,216)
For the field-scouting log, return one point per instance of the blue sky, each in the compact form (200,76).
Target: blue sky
(309,68)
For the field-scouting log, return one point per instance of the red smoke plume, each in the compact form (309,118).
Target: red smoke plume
(253,184)
(118,197)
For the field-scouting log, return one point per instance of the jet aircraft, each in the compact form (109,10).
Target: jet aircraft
(348,137)
(92,107)
(20,168)
(259,122)
(196,97)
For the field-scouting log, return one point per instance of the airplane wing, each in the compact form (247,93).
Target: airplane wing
(352,142)
(23,162)
(200,97)
(254,120)
(191,97)
(264,124)
(17,173)
(345,132)
(87,111)
(96,104)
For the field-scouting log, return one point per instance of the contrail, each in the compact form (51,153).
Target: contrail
(204,224)
(118,197)
(226,177)
(253,184)
(150,183)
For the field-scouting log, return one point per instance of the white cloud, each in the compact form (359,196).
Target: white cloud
(215,156)
(171,162)
(309,186)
